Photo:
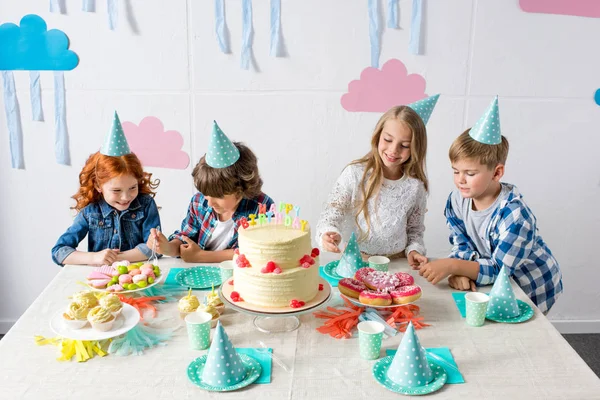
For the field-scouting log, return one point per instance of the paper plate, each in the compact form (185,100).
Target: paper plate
(199,277)
(380,373)
(330,269)
(194,373)
(156,281)
(124,322)
(525,313)
(358,303)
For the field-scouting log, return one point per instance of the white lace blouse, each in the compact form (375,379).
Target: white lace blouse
(397,213)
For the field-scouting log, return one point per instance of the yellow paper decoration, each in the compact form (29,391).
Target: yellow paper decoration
(83,350)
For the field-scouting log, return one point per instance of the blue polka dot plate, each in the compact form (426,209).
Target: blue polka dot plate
(330,269)
(196,367)
(525,313)
(199,277)
(380,373)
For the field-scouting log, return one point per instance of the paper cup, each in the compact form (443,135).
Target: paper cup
(226,269)
(379,263)
(477,304)
(198,328)
(370,334)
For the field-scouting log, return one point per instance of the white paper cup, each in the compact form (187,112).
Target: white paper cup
(370,334)
(476,307)
(226,269)
(198,328)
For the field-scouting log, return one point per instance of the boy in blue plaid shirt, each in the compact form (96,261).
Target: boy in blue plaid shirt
(491,225)
(229,189)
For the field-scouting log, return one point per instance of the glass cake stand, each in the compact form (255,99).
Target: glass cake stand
(275,320)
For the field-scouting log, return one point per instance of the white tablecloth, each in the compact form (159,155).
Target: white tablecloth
(523,361)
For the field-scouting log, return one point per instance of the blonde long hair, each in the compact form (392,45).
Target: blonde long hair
(414,167)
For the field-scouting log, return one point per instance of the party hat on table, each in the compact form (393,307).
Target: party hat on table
(351,260)
(410,367)
(503,303)
(223,364)
(115,143)
(221,151)
(425,107)
(487,129)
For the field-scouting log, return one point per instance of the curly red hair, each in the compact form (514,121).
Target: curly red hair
(99,169)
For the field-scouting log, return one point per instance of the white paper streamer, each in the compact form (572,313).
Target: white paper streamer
(392,21)
(414,45)
(56,6)
(374,32)
(111,6)
(61,139)
(247,33)
(13,120)
(275,27)
(88,5)
(35,93)
(220,26)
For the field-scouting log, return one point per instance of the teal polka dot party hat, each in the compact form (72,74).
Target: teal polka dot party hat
(223,364)
(503,303)
(410,367)
(487,129)
(115,143)
(221,151)
(425,107)
(351,260)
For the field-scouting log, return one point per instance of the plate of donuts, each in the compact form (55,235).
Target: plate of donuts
(379,289)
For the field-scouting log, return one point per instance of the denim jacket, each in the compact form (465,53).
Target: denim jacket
(109,228)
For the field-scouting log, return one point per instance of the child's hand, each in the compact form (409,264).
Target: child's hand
(330,241)
(162,243)
(190,250)
(435,271)
(103,257)
(461,283)
(415,259)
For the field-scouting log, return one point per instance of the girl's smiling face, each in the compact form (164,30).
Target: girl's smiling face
(120,191)
(394,145)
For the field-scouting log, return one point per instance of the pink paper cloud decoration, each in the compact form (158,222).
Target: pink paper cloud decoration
(154,146)
(379,90)
(581,8)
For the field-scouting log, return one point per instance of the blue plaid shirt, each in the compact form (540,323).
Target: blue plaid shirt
(200,221)
(516,245)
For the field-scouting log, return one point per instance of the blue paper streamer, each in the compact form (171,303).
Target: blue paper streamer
(61,139)
(374,32)
(35,93)
(414,45)
(275,27)
(247,33)
(392,14)
(88,5)
(111,7)
(13,120)
(57,6)
(220,26)
(139,339)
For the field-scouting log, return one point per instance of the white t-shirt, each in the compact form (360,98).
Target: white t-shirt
(221,236)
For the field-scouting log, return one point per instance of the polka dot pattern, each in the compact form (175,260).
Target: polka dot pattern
(370,345)
(221,151)
(425,107)
(439,378)
(331,269)
(487,129)
(199,277)
(199,335)
(115,143)
(223,365)
(196,369)
(525,314)
(351,260)
(503,303)
(476,313)
(409,366)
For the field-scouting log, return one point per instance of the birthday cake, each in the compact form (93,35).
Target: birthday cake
(275,264)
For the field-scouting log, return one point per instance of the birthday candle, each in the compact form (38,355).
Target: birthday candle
(297,211)
(288,220)
(262,219)
(278,218)
(296,223)
(262,208)
(269,215)
(288,208)
(252,218)
(303,223)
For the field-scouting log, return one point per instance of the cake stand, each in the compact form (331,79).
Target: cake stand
(275,320)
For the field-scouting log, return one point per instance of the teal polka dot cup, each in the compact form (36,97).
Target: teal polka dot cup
(477,304)
(370,334)
(379,263)
(226,268)
(198,328)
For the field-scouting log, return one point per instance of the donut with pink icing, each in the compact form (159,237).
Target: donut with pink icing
(351,287)
(405,279)
(362,272)
(382,281)
(406,294)
(375,298)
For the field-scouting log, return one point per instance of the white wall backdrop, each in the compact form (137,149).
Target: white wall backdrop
(543,67)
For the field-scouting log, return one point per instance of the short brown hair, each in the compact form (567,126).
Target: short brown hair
(465,147)
(241,178)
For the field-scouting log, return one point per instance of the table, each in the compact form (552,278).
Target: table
(523,361)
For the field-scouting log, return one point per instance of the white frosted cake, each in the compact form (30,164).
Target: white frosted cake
(275,265)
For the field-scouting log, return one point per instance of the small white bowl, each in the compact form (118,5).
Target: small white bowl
(103,326)
(75,323)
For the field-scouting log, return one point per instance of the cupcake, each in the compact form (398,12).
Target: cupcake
(86,299)
(187,304)
(76,316)
(214,300)
(212,311)
(101,318)
(112,303)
